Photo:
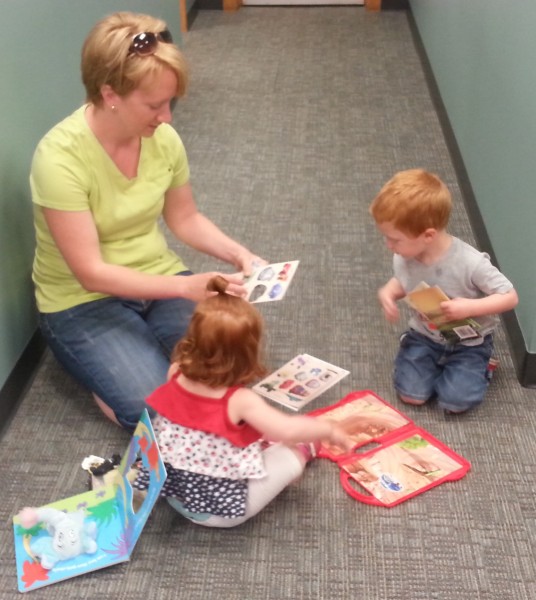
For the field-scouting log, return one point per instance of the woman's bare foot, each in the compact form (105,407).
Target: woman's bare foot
(106,410)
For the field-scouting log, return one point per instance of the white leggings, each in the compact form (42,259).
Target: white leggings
(283,466)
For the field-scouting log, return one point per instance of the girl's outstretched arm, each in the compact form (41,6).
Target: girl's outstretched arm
(277,426)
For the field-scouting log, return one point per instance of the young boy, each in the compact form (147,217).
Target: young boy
(412,212)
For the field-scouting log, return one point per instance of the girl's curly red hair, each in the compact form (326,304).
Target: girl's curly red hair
(222,346)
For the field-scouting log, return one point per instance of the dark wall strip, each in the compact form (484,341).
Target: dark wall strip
(20,379)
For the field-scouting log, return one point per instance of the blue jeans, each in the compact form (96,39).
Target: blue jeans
(458,375)
(118,348)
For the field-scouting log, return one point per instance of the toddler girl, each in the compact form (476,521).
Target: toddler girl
(210,428)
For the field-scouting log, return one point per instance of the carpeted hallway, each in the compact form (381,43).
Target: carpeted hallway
(294,119)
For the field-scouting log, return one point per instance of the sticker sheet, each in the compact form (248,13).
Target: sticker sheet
(270,282)
(299,381)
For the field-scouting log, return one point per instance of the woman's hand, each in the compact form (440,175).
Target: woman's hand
(247,262)
(194,287)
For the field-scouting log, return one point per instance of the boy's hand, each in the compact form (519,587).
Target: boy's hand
(388,304)
(388,295)
(457,308)
(462,308)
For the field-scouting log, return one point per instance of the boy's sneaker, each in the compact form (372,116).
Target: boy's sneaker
(454,412)
(492,367)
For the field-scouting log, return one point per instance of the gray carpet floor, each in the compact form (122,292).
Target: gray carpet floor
(294,119)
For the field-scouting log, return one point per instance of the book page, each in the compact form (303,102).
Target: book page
(402,469)
(364,419)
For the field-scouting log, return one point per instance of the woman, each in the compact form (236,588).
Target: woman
(113,298)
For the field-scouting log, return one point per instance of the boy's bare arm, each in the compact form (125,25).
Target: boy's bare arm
(388,296)
(463,308)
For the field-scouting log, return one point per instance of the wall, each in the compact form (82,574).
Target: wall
(482,56)
(40,44)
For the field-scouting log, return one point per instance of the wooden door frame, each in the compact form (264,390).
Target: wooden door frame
(234,5)
(231,5)
(373,5)
(183,14)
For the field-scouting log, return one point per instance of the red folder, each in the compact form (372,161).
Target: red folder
(393,459)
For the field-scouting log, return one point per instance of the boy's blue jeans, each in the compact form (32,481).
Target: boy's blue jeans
(458,375)
(118,348)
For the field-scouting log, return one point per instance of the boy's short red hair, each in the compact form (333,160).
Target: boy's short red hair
(413,201)
(222,346)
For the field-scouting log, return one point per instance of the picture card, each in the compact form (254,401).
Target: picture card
(300,381)
(270,282)
(427,300)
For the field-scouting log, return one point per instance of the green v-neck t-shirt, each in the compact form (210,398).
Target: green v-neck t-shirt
(71,171)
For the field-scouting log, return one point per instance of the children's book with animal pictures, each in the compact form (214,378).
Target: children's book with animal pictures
(393,459)
(270,282)
(299,381)
(426,300)
(92,530)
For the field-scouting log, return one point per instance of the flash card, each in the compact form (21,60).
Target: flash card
(270,282)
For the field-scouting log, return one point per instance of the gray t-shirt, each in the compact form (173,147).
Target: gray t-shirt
(463,272)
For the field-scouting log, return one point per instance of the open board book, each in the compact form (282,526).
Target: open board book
(393,459)
(109,510)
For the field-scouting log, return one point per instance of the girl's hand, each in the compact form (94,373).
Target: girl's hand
(340,438)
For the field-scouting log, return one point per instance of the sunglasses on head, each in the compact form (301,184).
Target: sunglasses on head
(145,43)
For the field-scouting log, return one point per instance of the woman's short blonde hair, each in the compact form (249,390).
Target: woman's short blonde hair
(413,201)
(222,346)
(106,59)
